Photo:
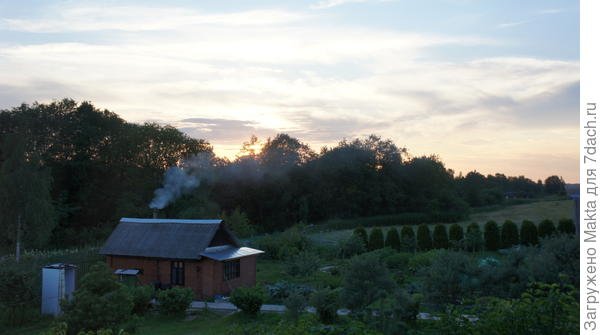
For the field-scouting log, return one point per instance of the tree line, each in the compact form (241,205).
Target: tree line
(69,171)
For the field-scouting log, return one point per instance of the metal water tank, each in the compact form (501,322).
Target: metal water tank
(58,283)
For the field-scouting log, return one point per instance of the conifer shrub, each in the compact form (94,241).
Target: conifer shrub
(376,239)
(455,235)
(407,238)
(440,237)
(566,226)
(473,240)
(509,234)
(361,233)
(491,235)
(424,242)
(529,233)
(546,228)
(392,239)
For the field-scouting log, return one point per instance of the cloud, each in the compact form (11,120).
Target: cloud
(136,18)
(289,72)
(551,11)
(334,3)
(512,24)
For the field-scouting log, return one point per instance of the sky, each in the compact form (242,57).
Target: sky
(491,86)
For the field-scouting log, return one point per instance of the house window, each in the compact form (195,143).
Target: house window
(177,273)
(231,269)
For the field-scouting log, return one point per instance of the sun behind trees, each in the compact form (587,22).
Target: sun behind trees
(102,168)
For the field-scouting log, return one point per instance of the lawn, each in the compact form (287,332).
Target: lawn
(536,212)
(201,322)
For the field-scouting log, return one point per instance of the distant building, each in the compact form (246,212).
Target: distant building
(200,254)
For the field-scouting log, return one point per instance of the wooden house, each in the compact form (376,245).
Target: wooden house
(200,254)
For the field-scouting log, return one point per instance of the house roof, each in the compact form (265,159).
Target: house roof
(162,238)
(228,252)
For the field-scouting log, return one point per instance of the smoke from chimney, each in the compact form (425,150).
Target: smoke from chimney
(182,179)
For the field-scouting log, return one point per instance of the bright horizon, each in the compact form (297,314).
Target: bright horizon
(487,86)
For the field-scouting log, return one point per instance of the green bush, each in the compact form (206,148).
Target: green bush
(366,278)
(473,240)
(529,233)
(248,299)
(283,245)
(509,234)
(295,304)
(407,238)
(361,233)
(352,246)
(392,239)
(491,235)
(16,296)
(175,301)
(542,309)
(141,297)
(99,302)
(424,242)
(376,239)
(440,237)
(566,226)
(546,228)
(449,277)
(239,223)
(302,264)
(455,235)
(325,301)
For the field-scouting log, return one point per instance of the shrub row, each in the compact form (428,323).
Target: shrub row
(494,237)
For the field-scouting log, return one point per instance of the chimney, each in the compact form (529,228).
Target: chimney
(155,213)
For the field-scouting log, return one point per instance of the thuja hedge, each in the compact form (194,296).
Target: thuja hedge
(493,237)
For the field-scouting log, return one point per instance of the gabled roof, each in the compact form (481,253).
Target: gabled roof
(163,238)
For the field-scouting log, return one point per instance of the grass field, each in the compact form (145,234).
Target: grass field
(536,212)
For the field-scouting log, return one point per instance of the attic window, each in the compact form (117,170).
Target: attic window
(231,269)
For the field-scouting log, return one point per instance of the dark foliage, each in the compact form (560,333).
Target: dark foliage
(455,235)
(424,242)
(248,299)
(407,238)
(101,168)
(16,296)
(440,237)
(529,233)
(546,228)
(175,301)
(100,302)
(366,279)
(491,235)
(351,247)
(392,239)
(361,233)
(566,226)
(326,303)
(376,239)
(554,185)
(509,234)
(473,240)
